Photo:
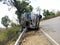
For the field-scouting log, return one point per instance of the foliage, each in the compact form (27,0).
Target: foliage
(46,12)
(22,6)
(9,34)
(49,17)
(13,24)
(5,21)
(58,13)
(3,38)
(52,13)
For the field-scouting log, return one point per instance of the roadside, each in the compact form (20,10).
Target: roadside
(9,36)
(35,38)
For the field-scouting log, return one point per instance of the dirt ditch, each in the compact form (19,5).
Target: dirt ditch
(35,38)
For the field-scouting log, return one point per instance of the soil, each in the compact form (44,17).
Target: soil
(35,38)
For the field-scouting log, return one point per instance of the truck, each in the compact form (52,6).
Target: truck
(30,20)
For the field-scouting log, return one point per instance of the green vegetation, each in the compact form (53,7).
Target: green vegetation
(58,13)
(5,21)
(50,14)
(22,6)
(10,34)
(49,17)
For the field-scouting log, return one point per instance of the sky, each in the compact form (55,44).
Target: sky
(4,11)
(52,5)
(46,4)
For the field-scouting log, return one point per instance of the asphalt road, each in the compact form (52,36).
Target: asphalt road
(52,28)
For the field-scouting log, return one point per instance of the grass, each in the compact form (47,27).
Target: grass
(50,16)
(10,35)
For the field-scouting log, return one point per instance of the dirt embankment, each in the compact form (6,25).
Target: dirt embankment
(35,38)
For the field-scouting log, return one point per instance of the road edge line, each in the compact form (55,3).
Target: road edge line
(49,38)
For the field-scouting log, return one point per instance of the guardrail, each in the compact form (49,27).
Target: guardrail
(20,37)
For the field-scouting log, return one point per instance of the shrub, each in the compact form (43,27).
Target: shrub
(9,34)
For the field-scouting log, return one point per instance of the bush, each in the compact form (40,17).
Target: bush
(50,16)
(3,38)
(12,31)
(9,34)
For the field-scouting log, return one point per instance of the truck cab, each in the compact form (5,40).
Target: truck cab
(30,20)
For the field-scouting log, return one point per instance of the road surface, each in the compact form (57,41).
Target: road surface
(52,28)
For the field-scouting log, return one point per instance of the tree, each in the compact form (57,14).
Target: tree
(21,6)
(52,13)
(5,21)
(58,13)
(46,12)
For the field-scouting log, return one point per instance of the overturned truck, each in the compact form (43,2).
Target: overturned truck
(30,20)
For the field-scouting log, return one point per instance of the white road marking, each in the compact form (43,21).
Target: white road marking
(50,38)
